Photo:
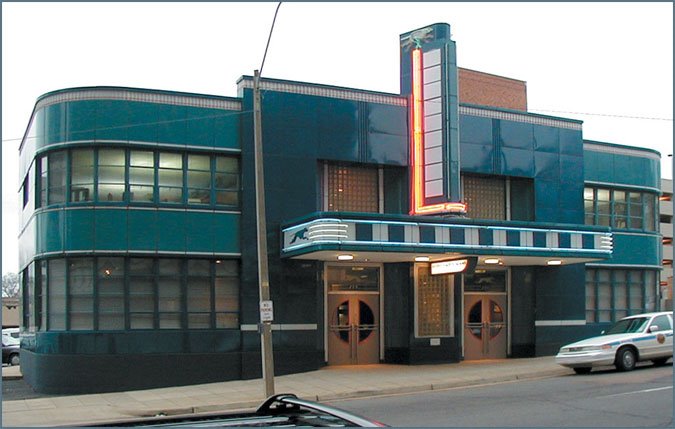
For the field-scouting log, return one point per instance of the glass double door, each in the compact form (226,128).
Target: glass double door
(353,330)
(485,326)
(353,314)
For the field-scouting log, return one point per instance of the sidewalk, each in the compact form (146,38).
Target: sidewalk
(326,384)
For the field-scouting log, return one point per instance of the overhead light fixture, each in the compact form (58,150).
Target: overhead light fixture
(491,261)
(554,262)
(421,259)
(345,257)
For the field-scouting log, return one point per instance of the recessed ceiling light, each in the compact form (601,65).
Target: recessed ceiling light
(491,261)
(345,257)
(554,262)
(421,258)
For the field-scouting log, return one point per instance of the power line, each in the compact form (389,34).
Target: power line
(603,114)
(143,124)
(269,38)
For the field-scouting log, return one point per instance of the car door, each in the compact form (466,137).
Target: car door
(659,341)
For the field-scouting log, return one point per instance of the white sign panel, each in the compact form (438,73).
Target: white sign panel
(266,311)
(449,267)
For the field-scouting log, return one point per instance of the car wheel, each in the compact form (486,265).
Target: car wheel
(584,370)
(625,359)
(660,361)
(14,360)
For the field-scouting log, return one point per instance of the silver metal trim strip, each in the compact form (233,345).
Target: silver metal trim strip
(329,92)
(517,117)
(282,327)
(559,322)
(146,97)
(620,151)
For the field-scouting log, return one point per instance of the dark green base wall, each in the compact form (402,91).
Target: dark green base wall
(82,374)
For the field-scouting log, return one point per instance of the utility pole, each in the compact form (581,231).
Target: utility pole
(265,327)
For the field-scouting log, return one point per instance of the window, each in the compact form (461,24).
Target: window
(57,177)
(25,190)
(111,175)
(148,177)
(57,295)
(227,181)
(142,302)
(141,176)
(199,179)
(103,293)
(82,175)
(40,298)
(110,293)
(198,294)
(170,293)
(170,177)
(485,197)
(433,303)
(622,209)
(42,182)
(615,293)
(81,293)
(227,294)
(352,189)
(662,322)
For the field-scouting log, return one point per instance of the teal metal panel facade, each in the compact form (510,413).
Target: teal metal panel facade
(153,212)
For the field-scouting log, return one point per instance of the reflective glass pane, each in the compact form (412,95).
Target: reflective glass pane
(170,160)
(142,158)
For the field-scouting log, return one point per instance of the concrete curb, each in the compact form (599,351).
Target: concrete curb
(247,405)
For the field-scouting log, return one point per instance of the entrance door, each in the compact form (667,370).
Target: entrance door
(484,326)
(353,329)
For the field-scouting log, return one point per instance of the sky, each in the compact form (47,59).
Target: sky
(608,64)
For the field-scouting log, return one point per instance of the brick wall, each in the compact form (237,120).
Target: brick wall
(490,90)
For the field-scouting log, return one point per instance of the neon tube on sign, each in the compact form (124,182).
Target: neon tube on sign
(417,150)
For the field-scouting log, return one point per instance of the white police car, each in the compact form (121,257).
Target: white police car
(636,338)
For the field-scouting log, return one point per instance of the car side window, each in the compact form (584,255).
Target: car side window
(663,322)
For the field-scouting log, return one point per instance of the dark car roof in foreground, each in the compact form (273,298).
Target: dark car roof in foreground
(278,410)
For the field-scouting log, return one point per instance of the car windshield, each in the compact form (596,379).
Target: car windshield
(628,326)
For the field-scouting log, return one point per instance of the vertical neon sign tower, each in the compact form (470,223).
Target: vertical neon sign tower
(429,79)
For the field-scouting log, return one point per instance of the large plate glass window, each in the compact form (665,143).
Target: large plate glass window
(82,175)
(111,274)
(141,176)
(111,166)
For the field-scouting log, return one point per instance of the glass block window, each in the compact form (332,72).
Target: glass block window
(111,274)
(485,197)
(615,293)
(352,189)
(433,303)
